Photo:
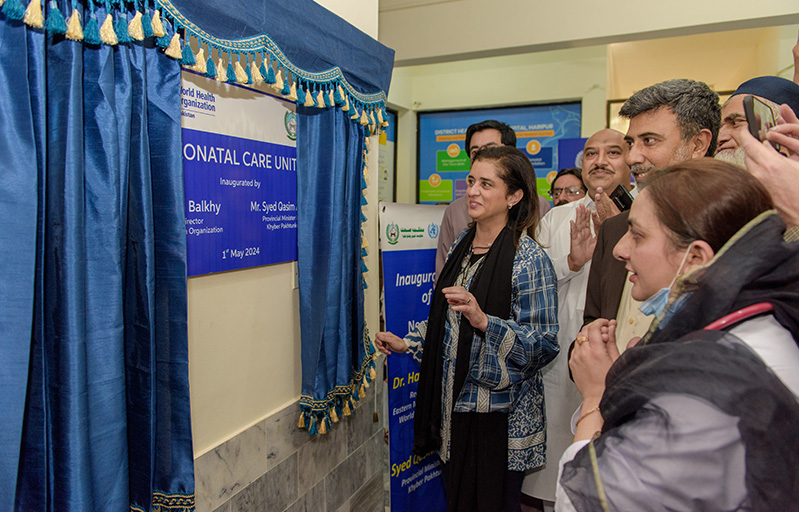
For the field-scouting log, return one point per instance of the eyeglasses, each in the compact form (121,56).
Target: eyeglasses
(569,191)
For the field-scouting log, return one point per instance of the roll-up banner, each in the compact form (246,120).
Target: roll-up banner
(408,240)
(240,176)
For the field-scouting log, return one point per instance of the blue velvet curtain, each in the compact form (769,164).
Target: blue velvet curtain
(94,384)
(336,352)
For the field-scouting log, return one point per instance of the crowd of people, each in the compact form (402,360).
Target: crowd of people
(635,346)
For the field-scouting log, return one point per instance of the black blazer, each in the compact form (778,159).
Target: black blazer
(607,276)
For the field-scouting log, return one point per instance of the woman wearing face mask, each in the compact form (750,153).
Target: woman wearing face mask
(492,327)
(700,415)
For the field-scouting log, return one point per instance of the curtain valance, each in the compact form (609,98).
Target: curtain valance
(315,58)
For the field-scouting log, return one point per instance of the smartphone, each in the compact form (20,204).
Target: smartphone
(759,117)
(622,198)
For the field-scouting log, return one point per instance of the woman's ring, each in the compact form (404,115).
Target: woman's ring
(581,339)
(468,300)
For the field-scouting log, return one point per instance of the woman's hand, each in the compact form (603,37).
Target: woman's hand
(388,343)
(594,353)
(461,300)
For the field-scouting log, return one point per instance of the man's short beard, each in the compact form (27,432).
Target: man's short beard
(732,156)
(643,169)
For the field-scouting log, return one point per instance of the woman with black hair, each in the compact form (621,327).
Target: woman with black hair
(492,327)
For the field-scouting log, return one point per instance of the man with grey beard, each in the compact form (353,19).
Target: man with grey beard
(670,122)
(772,90)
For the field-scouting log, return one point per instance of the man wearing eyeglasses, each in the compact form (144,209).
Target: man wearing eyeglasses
(567,186)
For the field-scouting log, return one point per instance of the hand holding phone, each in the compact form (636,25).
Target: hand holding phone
(759,118)
(621,198)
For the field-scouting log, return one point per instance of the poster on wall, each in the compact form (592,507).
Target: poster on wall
(408,240)
(443,162)
(387,160)
(570,153)
(240,176)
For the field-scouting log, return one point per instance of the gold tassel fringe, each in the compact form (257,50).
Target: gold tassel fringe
(173,50)
(278,85)
(257,78)
(241,75)
(301,423)
(74,30)
(323,426)
(33,14)
(333,415)
(293,92)
(158,27)
(320,100)
(107,34)
(364,120)
(308,99)
(135,28)
(221,72)
(200,65)
(346,107)
(347,411)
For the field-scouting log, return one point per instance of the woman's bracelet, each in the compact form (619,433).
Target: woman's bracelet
(582,416)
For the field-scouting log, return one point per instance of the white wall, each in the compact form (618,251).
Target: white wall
(359,13)
(244,340)
(480,28)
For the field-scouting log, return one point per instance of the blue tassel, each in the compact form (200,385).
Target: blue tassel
(91,32)
(264,72)
(300,95)
(55,23)
(248,70)
(328,102)
(364,252)
(121,28)
(364,202)
(363,182)
(337,99)
(14,10)
(286,85)
(210,67)
(163,42)
(270,77)
(363,217)
(364,268)
(147,24)
(365,286)
(188,55)
(231,71)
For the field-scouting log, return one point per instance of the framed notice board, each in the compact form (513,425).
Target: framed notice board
(443,163)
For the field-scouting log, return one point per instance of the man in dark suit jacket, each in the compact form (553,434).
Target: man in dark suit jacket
(607,275)
(670,122)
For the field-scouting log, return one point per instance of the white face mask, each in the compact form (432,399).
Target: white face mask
(655,304)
